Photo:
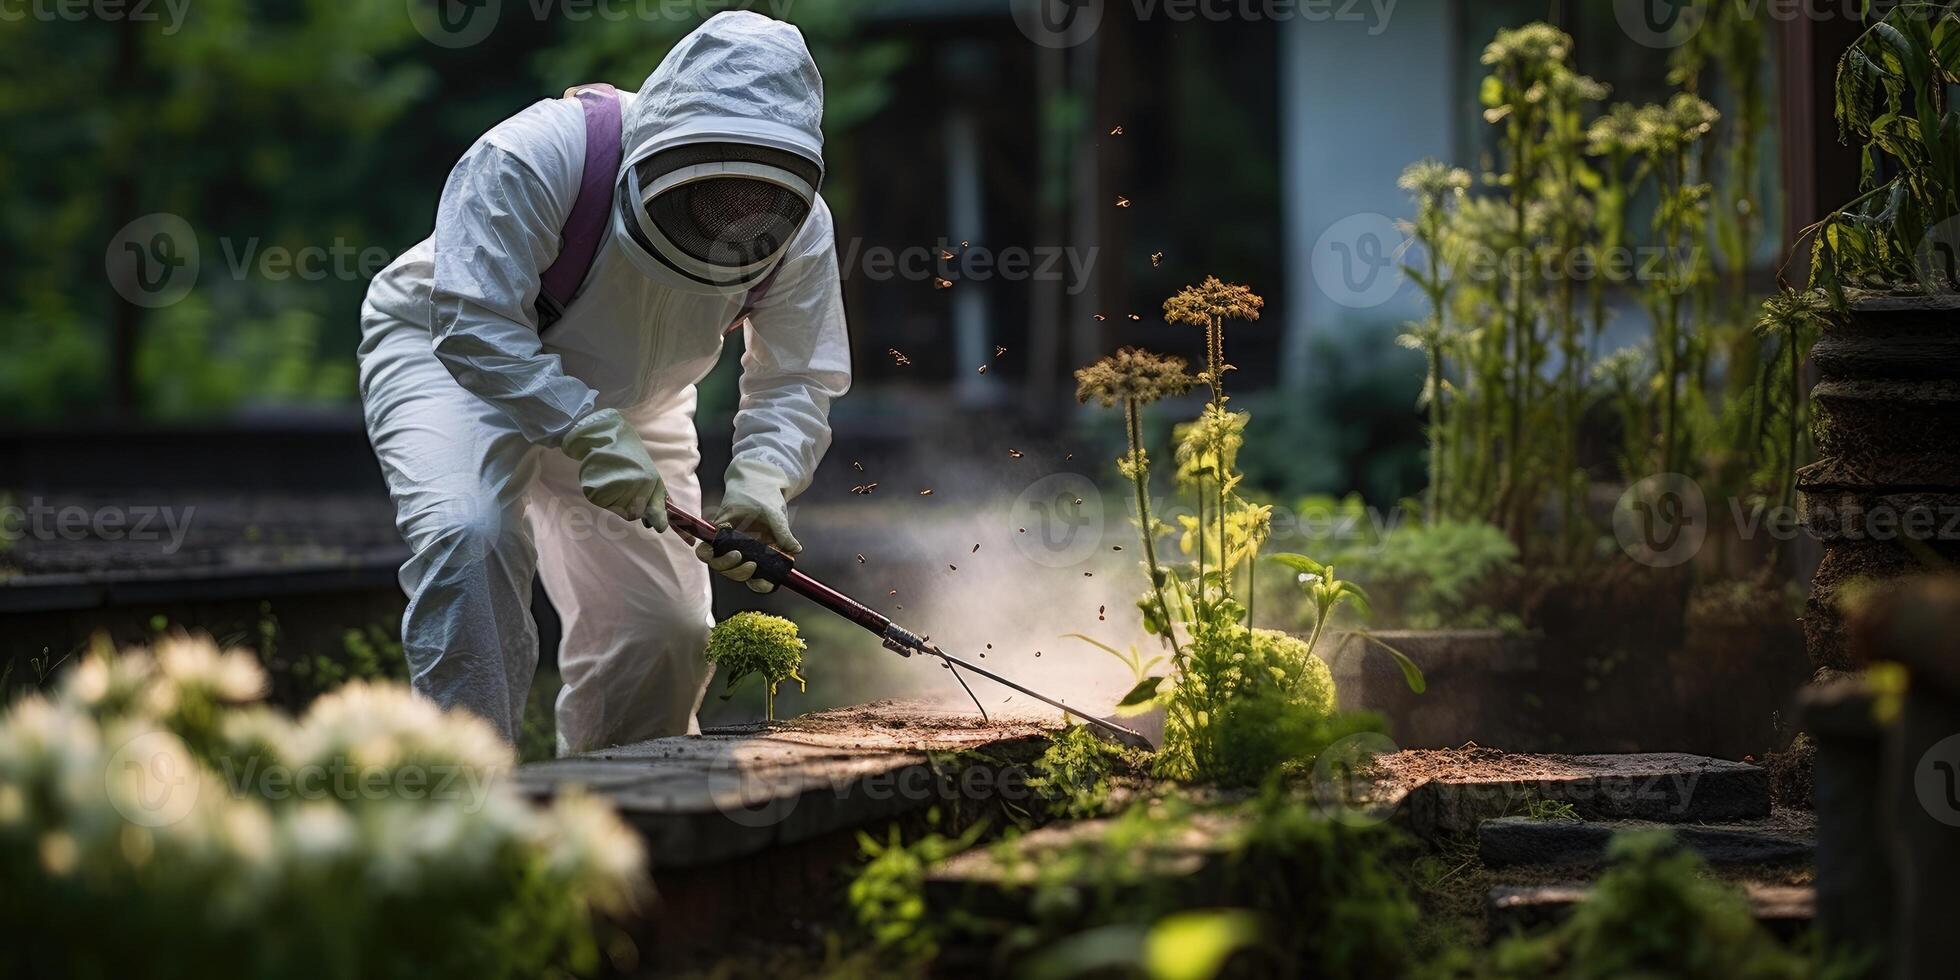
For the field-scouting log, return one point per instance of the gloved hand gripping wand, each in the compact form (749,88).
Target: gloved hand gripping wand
(772,565)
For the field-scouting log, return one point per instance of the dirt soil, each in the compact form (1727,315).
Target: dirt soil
(887,719)
(1403,771)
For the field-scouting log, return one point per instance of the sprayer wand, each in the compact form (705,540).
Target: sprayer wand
(775,566)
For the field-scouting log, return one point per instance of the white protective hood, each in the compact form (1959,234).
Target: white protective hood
(738,78)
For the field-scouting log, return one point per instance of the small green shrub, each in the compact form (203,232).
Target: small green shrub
(1246,703)
(753,644)
(157,821)
(1324,894)
(887,896)
(1073,773)
(1437,575)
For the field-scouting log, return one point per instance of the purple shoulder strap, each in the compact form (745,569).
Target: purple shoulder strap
(585,228)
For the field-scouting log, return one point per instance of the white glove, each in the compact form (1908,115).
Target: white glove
(752,502)
(614,469)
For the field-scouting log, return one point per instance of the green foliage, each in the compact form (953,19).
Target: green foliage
(887,896)
(1181,946)
(753,644)
(1553,811)
(1326,898)
(1239,702)
(1435,575)
(1073,772)
(1245,704)
(245,102)
(1894,85)
(194,362)
(290,125)
(1654,913)
(199,834)
(1517,281)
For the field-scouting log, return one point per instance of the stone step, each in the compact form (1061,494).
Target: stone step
(1785,910)
(1787,838)
(998,880)
(1444,792)
(746,828)
(702,800)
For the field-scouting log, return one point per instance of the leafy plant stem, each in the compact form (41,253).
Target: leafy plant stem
(1140,479)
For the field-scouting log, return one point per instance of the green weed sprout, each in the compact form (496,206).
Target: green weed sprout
(758,644)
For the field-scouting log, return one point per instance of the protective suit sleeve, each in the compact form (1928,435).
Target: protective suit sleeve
(797,359)
(497,229)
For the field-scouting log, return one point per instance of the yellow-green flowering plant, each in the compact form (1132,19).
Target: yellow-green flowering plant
(1238,702)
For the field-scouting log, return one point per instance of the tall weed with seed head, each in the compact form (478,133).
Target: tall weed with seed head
(1239,702)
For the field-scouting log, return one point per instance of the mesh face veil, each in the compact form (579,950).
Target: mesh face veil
(718,214)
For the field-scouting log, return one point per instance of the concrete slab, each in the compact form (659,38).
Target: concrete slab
(1789,838)
(1785,910)
(729,793)
(1440,792)
(997,880)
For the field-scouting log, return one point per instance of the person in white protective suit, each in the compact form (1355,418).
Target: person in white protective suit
(510,451)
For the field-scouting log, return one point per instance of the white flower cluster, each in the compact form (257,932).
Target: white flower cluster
(218,830)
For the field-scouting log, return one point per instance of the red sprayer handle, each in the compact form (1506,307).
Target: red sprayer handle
(775,566)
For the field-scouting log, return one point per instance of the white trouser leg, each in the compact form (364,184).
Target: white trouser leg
(635,604)
(457,472)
